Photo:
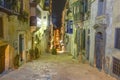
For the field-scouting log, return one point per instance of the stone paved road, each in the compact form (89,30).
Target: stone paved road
(56,67)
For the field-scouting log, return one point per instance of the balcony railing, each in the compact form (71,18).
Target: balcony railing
(10,6)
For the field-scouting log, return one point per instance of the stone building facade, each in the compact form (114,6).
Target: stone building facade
(15,34)
(41,34)
(104,36)
(79,12)
(101,34)
(114,40)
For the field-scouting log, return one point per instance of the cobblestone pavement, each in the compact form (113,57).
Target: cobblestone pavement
(56,67)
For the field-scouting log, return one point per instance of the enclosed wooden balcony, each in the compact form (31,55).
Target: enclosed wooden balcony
(10,7)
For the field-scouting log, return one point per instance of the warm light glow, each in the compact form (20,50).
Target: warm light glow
(38,22)
(35,42)
(45,22)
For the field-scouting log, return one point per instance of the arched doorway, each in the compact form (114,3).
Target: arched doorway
(99,50)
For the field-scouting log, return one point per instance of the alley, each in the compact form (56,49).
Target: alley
(56,67)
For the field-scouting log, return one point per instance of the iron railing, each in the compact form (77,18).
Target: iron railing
(116,66)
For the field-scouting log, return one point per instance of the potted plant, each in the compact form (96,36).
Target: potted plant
(54,52)
(16,61)
(31,56)
(83,56)
(36,53)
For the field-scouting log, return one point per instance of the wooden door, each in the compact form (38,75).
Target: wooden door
(2,58)
(1,27)
(21,46)
(99,51)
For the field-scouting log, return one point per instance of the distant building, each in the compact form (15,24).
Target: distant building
(41,33)
(76,28)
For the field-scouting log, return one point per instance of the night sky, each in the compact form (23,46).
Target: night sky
(57,8)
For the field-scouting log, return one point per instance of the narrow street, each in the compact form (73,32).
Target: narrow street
(89,30)
(56,67)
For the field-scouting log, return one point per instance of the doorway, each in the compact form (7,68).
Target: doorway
(88,44)
(99,50)
(21,46)
(2,58)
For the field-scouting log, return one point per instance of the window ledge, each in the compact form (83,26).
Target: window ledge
(101,16)
(116,53)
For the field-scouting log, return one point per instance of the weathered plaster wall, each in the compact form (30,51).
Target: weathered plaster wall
(92,31)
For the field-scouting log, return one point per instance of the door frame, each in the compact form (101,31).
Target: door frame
(23,46)
(100,28)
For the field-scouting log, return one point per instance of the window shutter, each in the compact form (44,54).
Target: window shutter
(1,28)
(117,38)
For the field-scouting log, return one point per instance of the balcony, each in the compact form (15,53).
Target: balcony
(33,4)
(9,7)
(101,19)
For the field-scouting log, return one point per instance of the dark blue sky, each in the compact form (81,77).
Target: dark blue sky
(57,8)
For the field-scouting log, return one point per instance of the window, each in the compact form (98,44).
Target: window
(1,2)
(85,6)
(1,28)
(117,38)
(83,39)
(21,6)
(77,9)
(101,0)
(116,66)
(74,10)
(101,6)
(33,21)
